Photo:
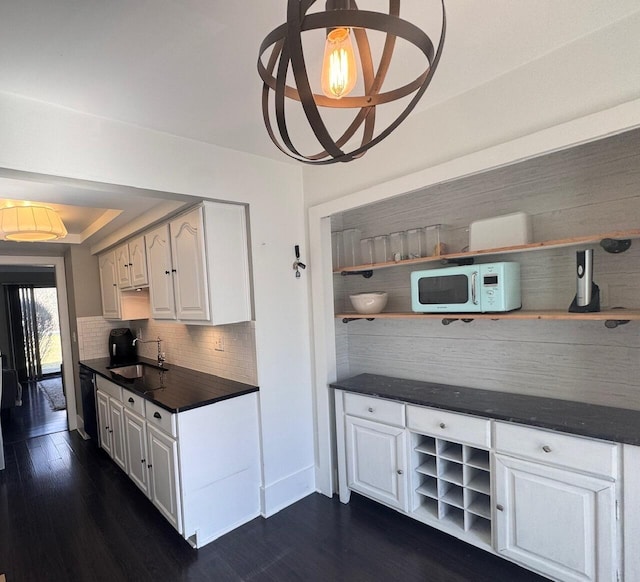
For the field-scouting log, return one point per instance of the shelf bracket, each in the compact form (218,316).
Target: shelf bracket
(612,245)
(366,274)
(613,323)
(450,320)
(348,319)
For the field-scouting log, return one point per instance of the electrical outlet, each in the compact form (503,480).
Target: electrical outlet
(218,344)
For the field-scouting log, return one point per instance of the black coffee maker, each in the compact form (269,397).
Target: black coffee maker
(121,347)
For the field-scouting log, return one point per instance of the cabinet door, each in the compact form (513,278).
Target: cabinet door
(104,422)
(138,263)
(556,521)
(191,281)
(376,460)
(109,286)
(136,437)
(118,447)
(159,267)
(122,266)
(163,466)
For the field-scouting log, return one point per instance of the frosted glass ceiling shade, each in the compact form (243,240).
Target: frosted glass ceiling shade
(30,223)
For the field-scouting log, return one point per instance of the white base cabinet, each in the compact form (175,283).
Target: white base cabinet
(111,431)
(376,461)
(546,500)
(165,480)
(200,467)
(558,522)
(135,429)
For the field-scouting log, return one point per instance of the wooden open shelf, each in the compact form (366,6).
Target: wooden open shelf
(607,315)
(550,244)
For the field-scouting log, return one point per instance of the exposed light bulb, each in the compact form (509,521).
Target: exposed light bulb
(339,71)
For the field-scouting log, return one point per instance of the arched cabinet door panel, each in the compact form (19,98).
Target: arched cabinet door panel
(159,268)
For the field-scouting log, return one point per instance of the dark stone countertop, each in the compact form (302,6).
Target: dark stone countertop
(180,388)
(603,422)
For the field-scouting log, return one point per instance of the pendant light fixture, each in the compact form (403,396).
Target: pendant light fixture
(344,23)
(30,222)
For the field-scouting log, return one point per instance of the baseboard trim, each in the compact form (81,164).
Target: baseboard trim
(80,430)
(276,496)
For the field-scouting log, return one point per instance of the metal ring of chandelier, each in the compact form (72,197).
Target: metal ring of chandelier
(286,43)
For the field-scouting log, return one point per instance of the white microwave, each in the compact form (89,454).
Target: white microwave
(488,288)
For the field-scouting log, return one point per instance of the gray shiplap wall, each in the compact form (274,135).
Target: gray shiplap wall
(588,189)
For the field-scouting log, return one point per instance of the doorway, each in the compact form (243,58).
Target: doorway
(40,362)
(33,356)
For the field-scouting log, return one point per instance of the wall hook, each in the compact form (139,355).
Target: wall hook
(298,264)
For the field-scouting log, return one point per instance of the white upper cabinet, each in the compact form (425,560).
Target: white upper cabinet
(159,268)
(122,266)
(131,264)
(119,303)
(138,262)
(198,266)
(109,286)
(191,283)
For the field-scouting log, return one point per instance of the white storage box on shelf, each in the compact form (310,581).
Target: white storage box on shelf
(501,231)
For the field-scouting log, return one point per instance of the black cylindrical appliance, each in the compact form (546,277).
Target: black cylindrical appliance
(121,347)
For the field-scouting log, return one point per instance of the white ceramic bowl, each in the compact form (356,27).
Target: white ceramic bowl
(367,303)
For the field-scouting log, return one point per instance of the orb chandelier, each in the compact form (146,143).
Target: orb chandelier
(30,223)
(341,19)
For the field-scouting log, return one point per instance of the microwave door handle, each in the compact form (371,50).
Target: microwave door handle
(474,286)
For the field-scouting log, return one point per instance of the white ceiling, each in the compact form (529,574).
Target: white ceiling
(188,67)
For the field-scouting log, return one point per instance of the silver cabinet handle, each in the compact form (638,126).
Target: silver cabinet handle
(499,507)
(370,409)
(443,425)
(131,400)
(156,415)
(399,471)
(546,449)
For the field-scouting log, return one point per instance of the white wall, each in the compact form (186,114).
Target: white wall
(593,74)
(43,139)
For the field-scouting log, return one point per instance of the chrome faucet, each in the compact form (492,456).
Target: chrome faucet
(161,356)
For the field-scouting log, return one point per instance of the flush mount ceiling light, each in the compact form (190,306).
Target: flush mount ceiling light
(338,78)
(31,222)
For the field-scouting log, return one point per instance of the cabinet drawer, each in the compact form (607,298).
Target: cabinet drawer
(450,425)
(161,418)
(110,388)
(387,411)
(133,401)
(581,453)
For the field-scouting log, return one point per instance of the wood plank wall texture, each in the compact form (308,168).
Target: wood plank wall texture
(589,189)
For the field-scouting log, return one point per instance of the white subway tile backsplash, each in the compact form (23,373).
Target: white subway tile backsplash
(188,346)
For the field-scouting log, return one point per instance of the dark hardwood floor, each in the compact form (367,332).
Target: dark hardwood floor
(67,513)
(34,418)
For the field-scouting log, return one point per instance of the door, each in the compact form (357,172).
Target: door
(104,422)
(556,521)
(136,438)
(163,455)
(376,460)
(191,282)
(109,286)
(118,446)
(159,268)
(138,263)
(123,266)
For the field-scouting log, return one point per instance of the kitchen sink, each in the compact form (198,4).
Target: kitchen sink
(135,371)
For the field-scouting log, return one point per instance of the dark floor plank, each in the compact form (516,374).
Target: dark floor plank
(34,418)
(67,512)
